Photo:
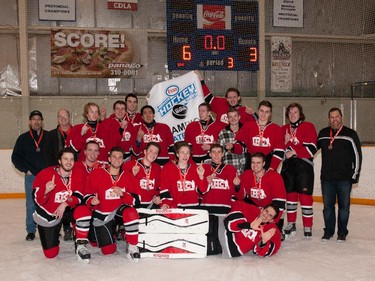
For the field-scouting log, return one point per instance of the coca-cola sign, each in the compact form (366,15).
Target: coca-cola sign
(216,17)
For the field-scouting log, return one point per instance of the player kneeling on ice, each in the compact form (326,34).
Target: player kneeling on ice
(248,227)
(112,199)
(57,192)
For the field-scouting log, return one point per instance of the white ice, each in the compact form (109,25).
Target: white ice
(298,259)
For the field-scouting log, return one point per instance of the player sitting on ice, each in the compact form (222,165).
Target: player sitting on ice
(248,227)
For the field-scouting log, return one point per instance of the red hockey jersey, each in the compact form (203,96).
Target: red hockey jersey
(78,142)
(147,180)
(218,200)
(270,140)
(125,138)
(246,240)
(196,137)
(269,189)
(303,139)
(178,190)
(159,133)
(70,192)
(101,183)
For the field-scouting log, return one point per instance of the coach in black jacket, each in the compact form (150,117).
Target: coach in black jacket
(28,157)
(341,165)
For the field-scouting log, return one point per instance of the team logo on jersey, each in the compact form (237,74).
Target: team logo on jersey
(218,183)
(126,136)
(224,118)
(264,142)
(147,184)
(149,138)
(250,234)
(205,139)
(257,193)
(111,195)
(61,196)
(186,186)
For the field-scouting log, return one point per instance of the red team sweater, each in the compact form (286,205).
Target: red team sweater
(246,240)
(196,136)
(177,191)
(270,189)
(222,193)
(101,183)
(78,142)
(125,138)
(71,193)
(303,140)
(160,133)
(271,140)
(147,180)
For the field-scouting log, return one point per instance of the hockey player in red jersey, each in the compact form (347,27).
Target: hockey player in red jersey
(146,176)
(202,134)
(182,181)
(57,194)
(132,116)
(111,198)
(90,130)
(119,129)
(248,228)
(298,168)
(263,186)
(221,105)
(149,131)
(262,136)
(224,188)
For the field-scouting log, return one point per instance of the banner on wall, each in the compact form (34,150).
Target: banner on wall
(176,102)
(98,53)
(288,13)
(281,64)
(57,10)
(131,5)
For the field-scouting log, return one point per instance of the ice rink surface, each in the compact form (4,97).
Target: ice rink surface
(298,259)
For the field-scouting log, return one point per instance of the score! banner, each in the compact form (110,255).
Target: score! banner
(176,102)
(98,53)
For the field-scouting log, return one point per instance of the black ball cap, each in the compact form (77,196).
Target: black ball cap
(35,112)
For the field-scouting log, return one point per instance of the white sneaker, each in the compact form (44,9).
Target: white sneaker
(132,253)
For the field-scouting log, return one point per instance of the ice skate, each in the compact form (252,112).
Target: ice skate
(307,232)
(82,252)
(132,253)
(290,230)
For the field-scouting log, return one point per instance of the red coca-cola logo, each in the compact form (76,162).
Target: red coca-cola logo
(213,17)
(213,12)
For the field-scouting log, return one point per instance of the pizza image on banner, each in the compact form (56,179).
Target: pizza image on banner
(93,53)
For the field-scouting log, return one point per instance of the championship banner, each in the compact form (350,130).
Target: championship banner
(131,5)
(288,13)
(98,53)
(176,102)
(281,64)
(57,10)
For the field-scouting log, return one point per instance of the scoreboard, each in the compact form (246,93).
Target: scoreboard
(212,35)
